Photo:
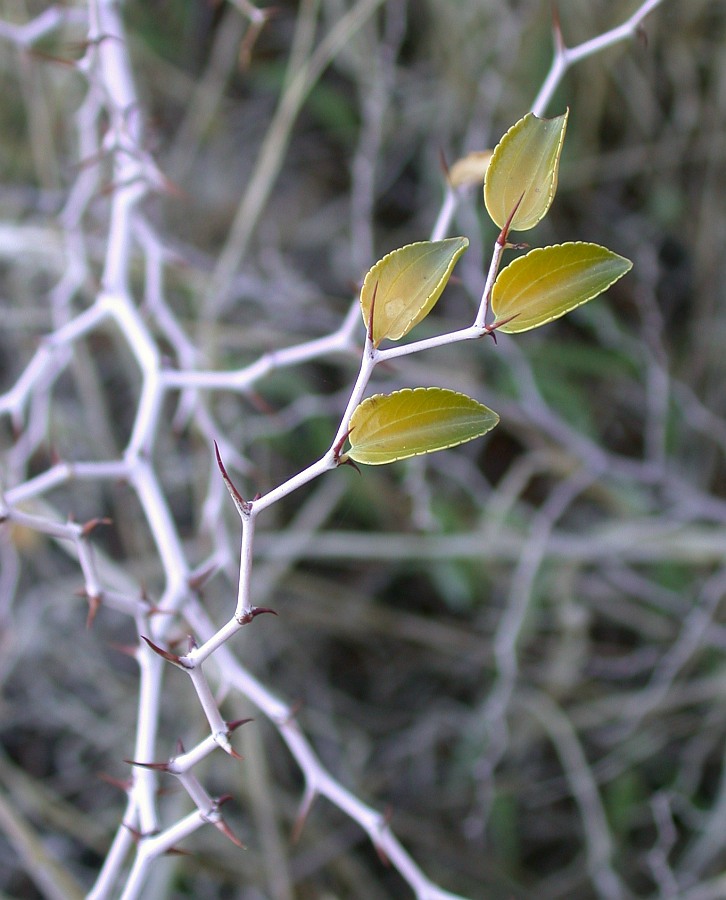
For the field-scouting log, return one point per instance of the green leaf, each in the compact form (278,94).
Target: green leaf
(387,427)
(406,284)
(550,281)
(525,165)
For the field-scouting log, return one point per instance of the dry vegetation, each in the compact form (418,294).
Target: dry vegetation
(518,646)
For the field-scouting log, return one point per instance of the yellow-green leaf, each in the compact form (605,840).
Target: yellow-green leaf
(525,165)
(387,427)
(550,281)
(404,286)
(470,169)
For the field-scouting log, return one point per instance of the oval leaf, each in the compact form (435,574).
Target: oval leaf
(387,427)
(550,281)
(525,165)
(470,169)
(403,287)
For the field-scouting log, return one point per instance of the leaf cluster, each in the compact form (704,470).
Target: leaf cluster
(401,289)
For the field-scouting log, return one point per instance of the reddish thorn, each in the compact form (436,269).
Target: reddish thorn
(259,404)
(222,826)
(339,446)
(253,32)
(191,643)
(384,826)
(490,329)
(127,649)
(557,29)
(302,816)
(370,316)
(49,57)
(101,37)
(444,166)
(381,854)
(89,161)
(155,611)
(175,643)
(165,654)
(123,784)
(94,604)
(238,723)
(172,189)
(255,611)
(94,523)
(292,712)
(225,798)
(179,747)
(351,462)
(155,766)
(242,505)
(502,239)
(166,792)
(197,580)
(175,851)
(134,832)
(257,496)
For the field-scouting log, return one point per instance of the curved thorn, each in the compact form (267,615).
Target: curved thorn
(243,506)
(238,723)
(252,613)
(165,654)
(339,446)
